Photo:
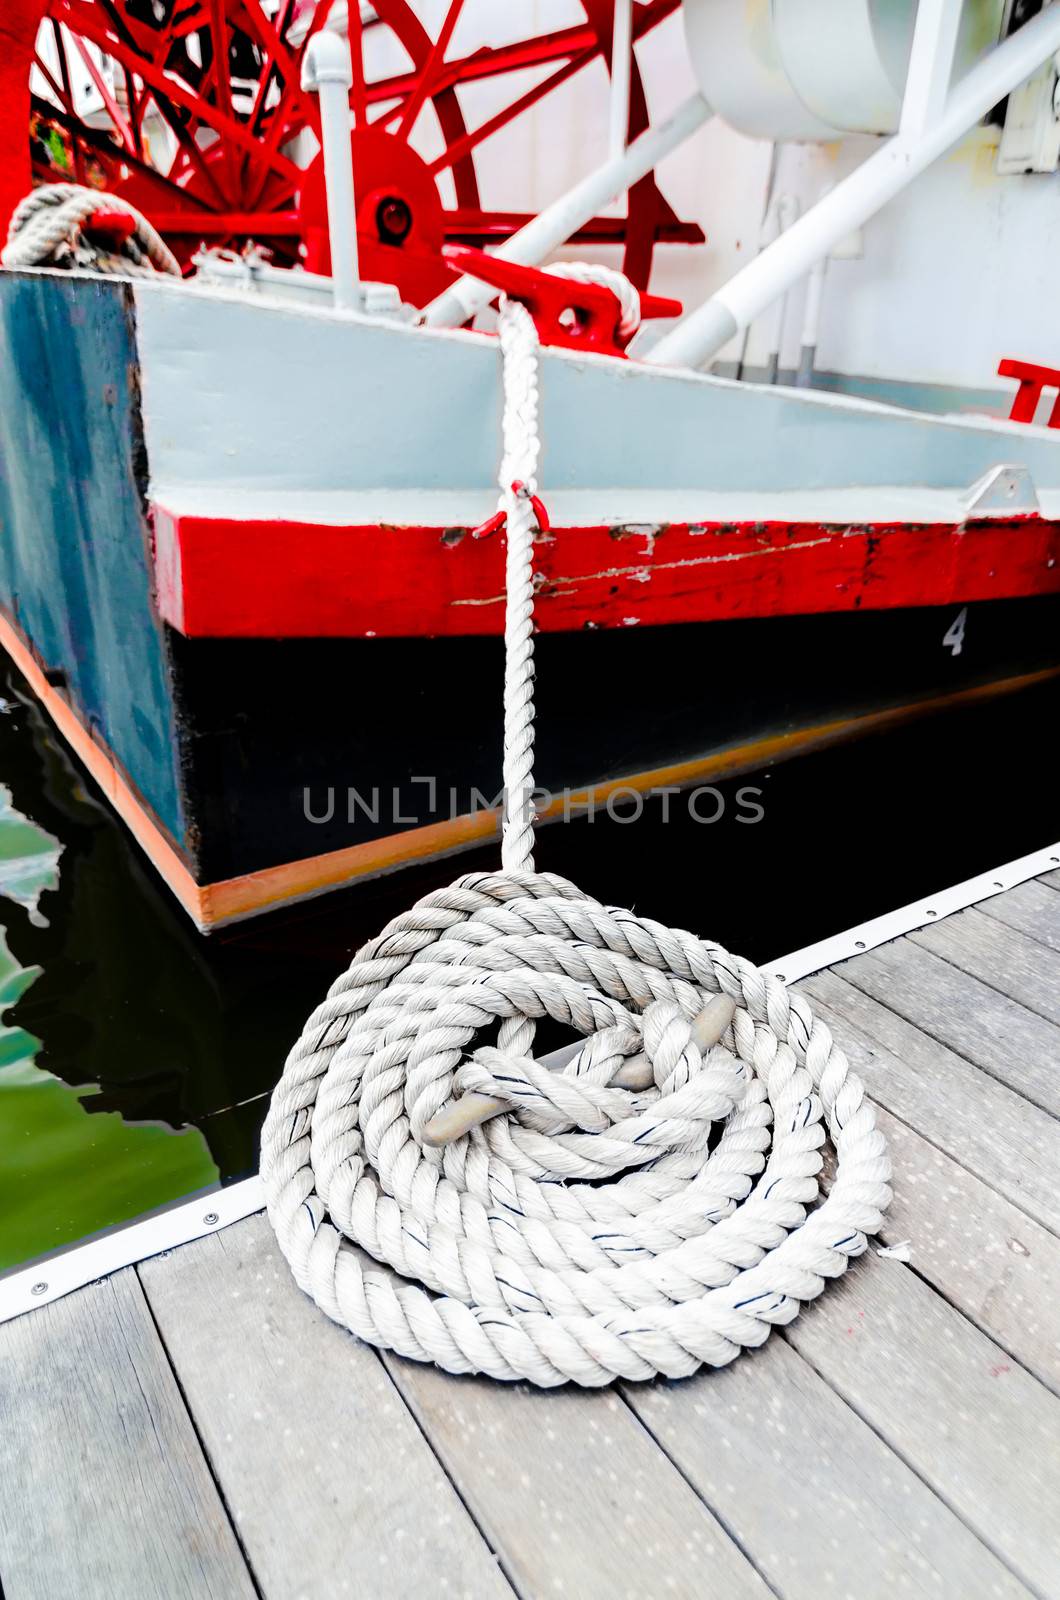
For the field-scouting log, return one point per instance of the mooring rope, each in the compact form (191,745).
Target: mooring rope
(652,1206)
(48,228)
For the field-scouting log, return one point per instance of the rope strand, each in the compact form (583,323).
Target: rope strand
(519,348)
(652,1206)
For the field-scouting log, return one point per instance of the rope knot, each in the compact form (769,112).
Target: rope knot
(523,492)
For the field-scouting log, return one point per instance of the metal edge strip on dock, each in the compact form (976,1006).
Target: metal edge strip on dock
(27,1288)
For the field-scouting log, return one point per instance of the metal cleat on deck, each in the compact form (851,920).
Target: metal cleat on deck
(567,311)
(111,228)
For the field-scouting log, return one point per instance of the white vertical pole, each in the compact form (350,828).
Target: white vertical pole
(785,211)
(930,64)
(621,76)
(328,71)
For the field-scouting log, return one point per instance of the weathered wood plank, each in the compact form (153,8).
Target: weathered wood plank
(1052,879)
(999,1035)
(972,1424)
(106,1491)
(987,1258)
(1000,957)
(801,1481)
(1032,908)
(995,1133)
(572,1492)
(331,1483)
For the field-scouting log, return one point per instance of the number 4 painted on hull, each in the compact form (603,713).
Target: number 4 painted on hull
(954,635)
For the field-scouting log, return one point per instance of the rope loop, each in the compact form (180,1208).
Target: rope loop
(648,1203)
(49,227)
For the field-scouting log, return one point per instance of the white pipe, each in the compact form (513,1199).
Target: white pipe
(328,71)
(858,197)
(621,75)
(811,317)
(785,212)
(811,323)
(927,81)
(554,226)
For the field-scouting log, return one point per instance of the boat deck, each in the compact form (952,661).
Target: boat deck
(194,1427)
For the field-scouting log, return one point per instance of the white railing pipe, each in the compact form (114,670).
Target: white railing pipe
(327,70)
(554,226)
(621,77)
(783,213)
(927,83)
(858,197)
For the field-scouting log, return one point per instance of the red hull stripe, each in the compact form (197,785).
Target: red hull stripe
(222,578)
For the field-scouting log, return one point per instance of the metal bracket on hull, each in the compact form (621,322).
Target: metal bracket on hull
(1004,491)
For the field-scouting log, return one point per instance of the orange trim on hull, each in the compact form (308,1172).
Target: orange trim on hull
(236,898)
(104,769)
(231,899)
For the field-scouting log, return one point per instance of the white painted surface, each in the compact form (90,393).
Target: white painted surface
(864,192)
(580,508)
(294,399)
(955,274)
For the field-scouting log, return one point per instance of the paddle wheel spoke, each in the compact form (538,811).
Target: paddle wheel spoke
(208,123)
(219,80)
(62,94)
(467,225)
(430,73)
(83,18)
(491,61)
(508,114)
(163,191)
(102,88)
(137,108)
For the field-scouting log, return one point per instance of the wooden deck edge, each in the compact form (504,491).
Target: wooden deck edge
(24,1289)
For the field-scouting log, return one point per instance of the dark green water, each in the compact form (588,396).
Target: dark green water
(136,1056)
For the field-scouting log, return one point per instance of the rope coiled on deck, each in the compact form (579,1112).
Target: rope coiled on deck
(651,1207)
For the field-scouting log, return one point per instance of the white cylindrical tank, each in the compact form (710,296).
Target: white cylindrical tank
(815,69)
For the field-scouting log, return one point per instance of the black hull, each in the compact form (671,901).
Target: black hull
(297,749)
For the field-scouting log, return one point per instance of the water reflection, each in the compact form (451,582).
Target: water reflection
(136,1055)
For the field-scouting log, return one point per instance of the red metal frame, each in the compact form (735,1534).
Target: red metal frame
(549,298)
(1032,379)
(221,578)
(244,186)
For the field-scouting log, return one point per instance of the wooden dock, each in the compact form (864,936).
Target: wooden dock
(194,1428)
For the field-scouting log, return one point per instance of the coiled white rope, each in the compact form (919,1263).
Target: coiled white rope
(651,1207)
(47,228)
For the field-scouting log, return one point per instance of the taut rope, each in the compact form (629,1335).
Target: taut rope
(652,1206)
(48,228)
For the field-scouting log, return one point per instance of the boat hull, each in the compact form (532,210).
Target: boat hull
(261,752)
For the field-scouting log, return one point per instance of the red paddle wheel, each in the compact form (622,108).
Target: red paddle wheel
(193,109)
